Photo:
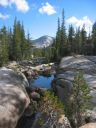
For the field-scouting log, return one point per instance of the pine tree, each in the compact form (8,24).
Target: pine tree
(3,46)
(94,38)
(89,47)
(58,40)
(13,43)
(10,43)
(63,42)
(71,43)
(83,40)
(16,40)
(28,47)
(81,99)
(54,51)
(77,41)
(23,41)
(19,41)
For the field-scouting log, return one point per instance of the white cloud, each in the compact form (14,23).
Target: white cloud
(4,16)
(48,9)
(80,22)
(21,5)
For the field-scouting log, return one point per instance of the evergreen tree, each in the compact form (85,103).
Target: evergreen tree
(28,47)
(23,41)
(54,51)
(77,41)
(21,45)
(63,42)
(3,46)
(58,41)
(1,34)
(10,43)
(89,46)
(80,99)
(13,44)
(94,38)
(83,40)
(71,43)
(17,40)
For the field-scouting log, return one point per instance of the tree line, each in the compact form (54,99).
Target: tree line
(14,44)
(75,41)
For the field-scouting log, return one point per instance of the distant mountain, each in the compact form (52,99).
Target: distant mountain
(43,42)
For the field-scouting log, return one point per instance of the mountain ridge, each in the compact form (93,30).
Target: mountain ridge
(43,41)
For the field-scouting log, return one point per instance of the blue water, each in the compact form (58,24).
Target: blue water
(42,81)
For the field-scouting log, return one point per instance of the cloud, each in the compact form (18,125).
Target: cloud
(21,5)
(4,16)
(47,8)
(80,22)
(4,2)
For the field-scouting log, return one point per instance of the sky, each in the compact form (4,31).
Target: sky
(40,16)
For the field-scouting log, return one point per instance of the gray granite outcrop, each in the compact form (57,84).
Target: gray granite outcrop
(13,97)
(69,66)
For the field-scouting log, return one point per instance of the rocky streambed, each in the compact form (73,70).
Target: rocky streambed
(32,107)
(39,105)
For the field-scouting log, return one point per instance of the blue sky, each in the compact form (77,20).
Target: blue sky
(40,16)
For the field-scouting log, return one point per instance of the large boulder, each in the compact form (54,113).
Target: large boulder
(89,125)
(66,71)
(13,97)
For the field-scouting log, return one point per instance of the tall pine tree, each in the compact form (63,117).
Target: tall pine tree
(3,46)
(83,40)
(94,38)
(71,43)
(58,40)
(63,42)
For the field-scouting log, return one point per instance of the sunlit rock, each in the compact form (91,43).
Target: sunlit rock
(13,97)
(68,68)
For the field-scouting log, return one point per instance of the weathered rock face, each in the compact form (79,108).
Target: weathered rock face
(89,125)
(13,97)
(68,67)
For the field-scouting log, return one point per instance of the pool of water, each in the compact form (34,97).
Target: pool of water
(43,82)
